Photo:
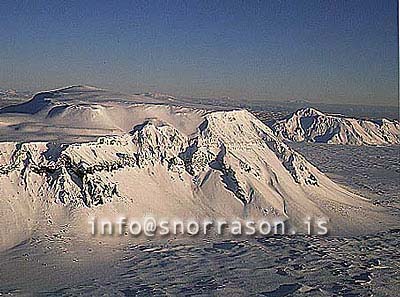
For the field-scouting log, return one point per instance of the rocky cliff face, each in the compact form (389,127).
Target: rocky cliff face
(314,126)
(80,174)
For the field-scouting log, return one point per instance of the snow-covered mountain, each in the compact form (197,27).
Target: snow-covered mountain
(311,125)
(161,159)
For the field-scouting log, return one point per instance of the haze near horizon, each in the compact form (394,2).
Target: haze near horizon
(322,51)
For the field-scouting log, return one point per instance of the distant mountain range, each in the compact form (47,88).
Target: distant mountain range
(311,125)
(12,93)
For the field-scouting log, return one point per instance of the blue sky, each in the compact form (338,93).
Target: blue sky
(326,51)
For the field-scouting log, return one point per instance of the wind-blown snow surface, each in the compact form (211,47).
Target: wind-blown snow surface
(311,125)
(165,160)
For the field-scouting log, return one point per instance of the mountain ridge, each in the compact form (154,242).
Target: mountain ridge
(311,125)
(165,160)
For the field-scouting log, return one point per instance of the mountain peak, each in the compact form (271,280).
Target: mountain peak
(309,111)
(311,125)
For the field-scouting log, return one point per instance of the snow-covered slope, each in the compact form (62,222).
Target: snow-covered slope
(312,125)
(81,113)
(161,159)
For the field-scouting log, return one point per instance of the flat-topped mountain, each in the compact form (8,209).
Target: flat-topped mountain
(83,113)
